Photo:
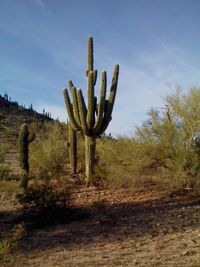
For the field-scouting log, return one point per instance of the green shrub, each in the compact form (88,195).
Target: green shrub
(117,163)
(4,172)
(168,140)
(11,133)
(49,153)
(164,150)
(9,243)
(44,196)
(8,187)
(3,150)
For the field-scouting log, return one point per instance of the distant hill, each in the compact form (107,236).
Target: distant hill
(12,116)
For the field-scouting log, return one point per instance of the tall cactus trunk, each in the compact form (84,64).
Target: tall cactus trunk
(25,138)
(91,118)
(73,149)
(90,146)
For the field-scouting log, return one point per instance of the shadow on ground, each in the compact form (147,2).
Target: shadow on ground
(65,228)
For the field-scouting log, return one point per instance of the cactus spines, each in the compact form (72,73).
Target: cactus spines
(92,120)
(72,140)
(25,138)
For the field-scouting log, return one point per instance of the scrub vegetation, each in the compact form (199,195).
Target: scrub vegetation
(71,195)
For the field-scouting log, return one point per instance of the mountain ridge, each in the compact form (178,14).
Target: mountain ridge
(12,116)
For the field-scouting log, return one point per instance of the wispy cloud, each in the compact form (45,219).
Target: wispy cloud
(43,7)
(143,85)
(40,3)
(175,55)
(44,47)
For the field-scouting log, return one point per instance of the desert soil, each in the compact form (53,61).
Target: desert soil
(147,227)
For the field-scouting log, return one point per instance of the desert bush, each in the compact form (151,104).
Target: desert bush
(9,243)
(8,187)
(49,154)
(116,162)
(46,205)
(11,133)
(4,172)
(3,150)
(168,140)
(164,150)
(43,196)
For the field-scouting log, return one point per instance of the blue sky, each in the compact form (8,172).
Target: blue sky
(43,44)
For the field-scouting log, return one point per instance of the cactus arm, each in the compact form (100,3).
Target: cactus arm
(110,102)
(113,89)
(94,76)
(101,105)
(90,53)
(82,112)
(91,107)
(70,110)
(105,121)
(75,105)
(70,84)
(74,102)
(90,56)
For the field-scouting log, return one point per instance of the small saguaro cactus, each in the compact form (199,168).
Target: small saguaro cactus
(93,119)
(72,141)
(25,138)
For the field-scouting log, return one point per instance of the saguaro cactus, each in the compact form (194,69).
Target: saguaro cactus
(72,141)
(94,118)
(25,138)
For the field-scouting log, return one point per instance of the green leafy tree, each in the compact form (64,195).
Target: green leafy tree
(169,139)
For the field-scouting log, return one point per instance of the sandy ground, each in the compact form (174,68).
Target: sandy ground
(124,228)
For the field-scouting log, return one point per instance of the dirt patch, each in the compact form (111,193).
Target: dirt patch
(125,228)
